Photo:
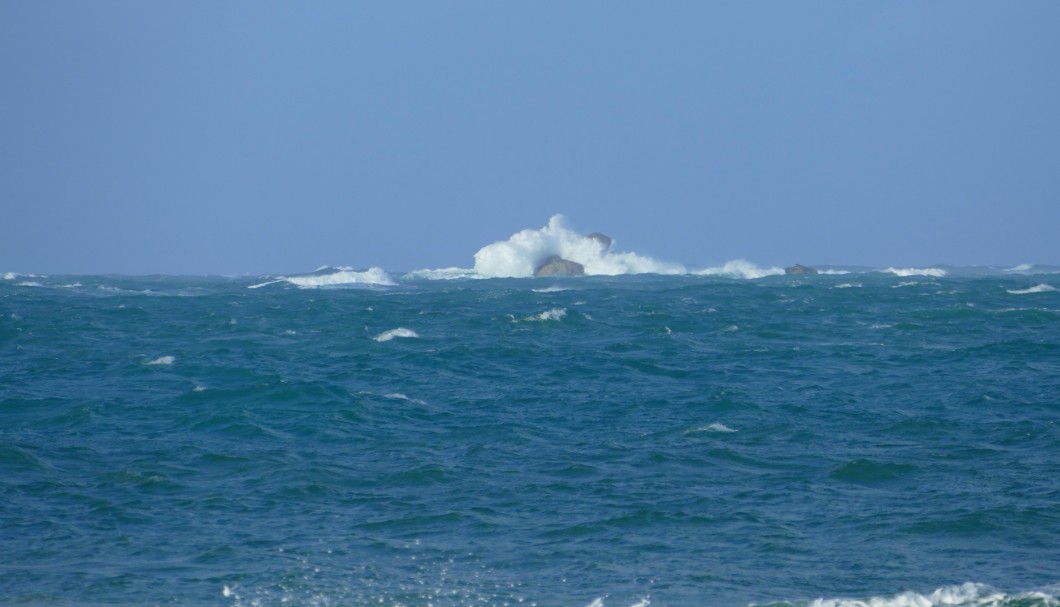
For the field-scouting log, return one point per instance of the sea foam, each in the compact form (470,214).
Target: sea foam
(519,256)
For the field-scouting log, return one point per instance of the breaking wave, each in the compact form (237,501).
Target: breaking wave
(553,314)
(1042,288)
(333,277)
(968,594)
(392,333)
(932,272)
(444,274)
(520,255)
(740,268)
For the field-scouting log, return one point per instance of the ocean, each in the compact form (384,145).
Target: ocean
(350,438)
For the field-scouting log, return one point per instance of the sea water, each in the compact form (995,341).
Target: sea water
(872,438)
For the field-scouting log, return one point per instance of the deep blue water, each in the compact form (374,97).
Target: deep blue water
(690,441)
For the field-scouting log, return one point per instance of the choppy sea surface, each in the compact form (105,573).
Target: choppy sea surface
(854,439)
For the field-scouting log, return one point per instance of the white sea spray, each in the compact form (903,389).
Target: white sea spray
(519,255)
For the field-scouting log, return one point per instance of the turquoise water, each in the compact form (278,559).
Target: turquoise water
(680,440)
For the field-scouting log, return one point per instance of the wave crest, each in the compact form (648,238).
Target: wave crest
(1041,288)
(334,277)
(903,272)
(968,594)
(740,268)
(392,333)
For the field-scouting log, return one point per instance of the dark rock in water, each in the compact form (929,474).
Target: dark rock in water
(799,269)
(554,265)
(603,239)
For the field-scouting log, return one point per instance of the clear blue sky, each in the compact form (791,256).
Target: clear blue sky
(262,137)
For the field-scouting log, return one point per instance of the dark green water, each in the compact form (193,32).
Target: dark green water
(682,440)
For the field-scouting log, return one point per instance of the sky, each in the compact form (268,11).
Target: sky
(274,137)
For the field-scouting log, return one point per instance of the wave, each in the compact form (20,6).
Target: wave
(740,268)
(553,314)
(392,333)
(1032,268)
(904,272)
(599,602)
(333,277)
(521,254)
(444,274)
(968,594)
(161,360)
(400,396)
(1041,288)
(714,427)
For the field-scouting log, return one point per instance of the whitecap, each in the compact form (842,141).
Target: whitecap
(444,274)
(392,333)
(343,276)
(199,388)
(740,268)
(849,285)
(553,314)
(834,272)
(714,427)
(1023,267)
(903,272)
(265,284)
(29,283)
(519,256)
(968,594)
(162,360)
(400,396)
(334,277)
(1041,288)
(10,276)
(552,289)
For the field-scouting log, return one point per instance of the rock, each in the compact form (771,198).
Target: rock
(603,239)
(554,265)
(799,269)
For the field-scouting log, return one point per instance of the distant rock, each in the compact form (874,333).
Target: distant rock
(603,239)
(554,265)
(799,269)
